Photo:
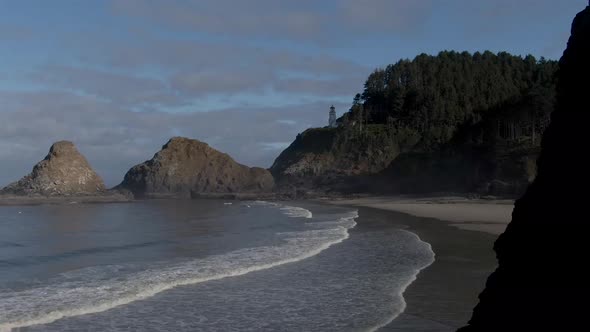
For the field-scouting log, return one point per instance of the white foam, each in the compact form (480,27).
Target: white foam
(400,294)
(291,211)
(98,289)
(296,212)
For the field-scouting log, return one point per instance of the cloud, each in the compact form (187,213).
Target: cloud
(114,139)
(14,32)
(167,75)
(389,16)
(147,70)
(223,81)
(261,17)
(116,88)
(343,86)
(330,22)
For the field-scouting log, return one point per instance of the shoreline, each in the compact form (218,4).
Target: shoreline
(384,326)
(489,216)
(443,295)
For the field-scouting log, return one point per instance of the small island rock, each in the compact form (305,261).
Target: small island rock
(187,167)
(63,172)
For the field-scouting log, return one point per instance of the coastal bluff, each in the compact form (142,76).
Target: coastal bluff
(63,172)
(469,124)
(541,283)
(188,168)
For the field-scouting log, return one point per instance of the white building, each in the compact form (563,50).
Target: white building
(332,119)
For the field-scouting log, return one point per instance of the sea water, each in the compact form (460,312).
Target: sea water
(202,265)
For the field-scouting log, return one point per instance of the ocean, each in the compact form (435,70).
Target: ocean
(202,265)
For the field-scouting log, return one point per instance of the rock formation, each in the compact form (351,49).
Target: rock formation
(384,161)
(542,282)
(63,172)
(325,158)
(186,167)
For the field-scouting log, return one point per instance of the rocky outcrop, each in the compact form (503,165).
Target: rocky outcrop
(389,161)
(64,172)
(324,158)
(542,283)
(187,167)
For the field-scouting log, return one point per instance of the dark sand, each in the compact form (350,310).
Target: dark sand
(444,294)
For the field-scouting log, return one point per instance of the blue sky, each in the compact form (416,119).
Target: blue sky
(120,77)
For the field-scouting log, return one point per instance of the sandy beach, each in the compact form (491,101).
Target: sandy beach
(490,216)
(462,233)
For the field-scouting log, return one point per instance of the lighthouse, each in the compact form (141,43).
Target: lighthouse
(332,118)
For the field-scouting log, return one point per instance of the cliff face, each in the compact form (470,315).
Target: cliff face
(185,167)
(323,158)
(64,171)
(389,161)
(461,169)
(541,283)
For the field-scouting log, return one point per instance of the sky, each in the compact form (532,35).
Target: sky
(120,77)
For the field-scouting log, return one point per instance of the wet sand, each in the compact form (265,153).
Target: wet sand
(444,294)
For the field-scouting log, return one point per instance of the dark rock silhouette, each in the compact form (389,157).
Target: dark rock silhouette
(64,171)
(542,283)
(459,170)
(187,167)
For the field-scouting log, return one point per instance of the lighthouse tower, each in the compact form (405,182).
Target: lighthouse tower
(332,118)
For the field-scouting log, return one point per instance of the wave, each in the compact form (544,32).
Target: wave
(402,290)
(98,289)
(291,211)
(297,212)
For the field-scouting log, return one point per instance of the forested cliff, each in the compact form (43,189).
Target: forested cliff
(473,119)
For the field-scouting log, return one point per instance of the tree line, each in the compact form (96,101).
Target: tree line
(493,98)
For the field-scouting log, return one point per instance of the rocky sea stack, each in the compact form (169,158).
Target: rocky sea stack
(541,283)
(63,172)
(187,167)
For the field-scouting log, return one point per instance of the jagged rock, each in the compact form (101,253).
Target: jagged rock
(64,171)
(542,283)
(187,167)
